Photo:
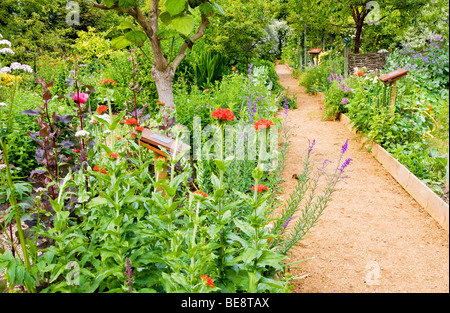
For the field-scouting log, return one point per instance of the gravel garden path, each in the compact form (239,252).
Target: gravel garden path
(373,237)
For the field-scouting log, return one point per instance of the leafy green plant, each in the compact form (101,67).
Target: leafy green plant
(208,68)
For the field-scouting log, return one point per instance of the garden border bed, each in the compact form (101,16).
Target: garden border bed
(431,202)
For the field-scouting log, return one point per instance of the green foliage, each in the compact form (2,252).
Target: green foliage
(208,68)
(238,34)
(314,79)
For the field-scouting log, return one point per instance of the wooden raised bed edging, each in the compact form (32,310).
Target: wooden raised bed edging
(431,202)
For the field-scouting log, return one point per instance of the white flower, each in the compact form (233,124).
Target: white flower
(40,190)
(16,66)
(2,166)
(81,133)
(375,80)
(5,42)
(2,104)
(27,68)
(105,117)
(5,70)
(269,227)
(1,36)
(6,51)
(106,132)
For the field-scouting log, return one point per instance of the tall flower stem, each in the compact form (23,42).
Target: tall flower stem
(14,206)
(108,98)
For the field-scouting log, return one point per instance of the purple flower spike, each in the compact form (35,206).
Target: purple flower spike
(312,146)
(344,147)
(286,223)
(345,164)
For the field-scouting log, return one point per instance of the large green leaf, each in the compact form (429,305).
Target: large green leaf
(120,43)
(183,24)
(137,37)
(218,7)
(165,17)
(252,282)
(124,4)
(125,25)
(110,3)
(175,7)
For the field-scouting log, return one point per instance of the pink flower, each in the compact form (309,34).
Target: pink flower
(80,97)
(75,150)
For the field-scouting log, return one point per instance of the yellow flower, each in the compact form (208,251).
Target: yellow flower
(9,80)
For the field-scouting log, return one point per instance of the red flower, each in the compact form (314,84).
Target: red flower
(139,128)
(262,124)
(223,114)
(101,109)
(76,151)
(234,68)
(160,158)
(113,155)
(201,193)
(208,280)
(131,121)
(96,169)
(108,83)
(358,73)
(119,138)
(161,103)
(260,188)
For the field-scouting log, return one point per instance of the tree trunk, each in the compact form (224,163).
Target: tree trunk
(359,27)
(164,86)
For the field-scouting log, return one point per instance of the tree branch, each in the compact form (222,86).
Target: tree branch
(182,53)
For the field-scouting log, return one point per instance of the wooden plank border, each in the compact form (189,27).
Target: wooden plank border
(431,202)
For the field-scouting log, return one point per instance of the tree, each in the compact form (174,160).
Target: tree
(355,14)
(177,15)
(239,33)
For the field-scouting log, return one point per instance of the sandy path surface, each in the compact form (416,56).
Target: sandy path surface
(373,237)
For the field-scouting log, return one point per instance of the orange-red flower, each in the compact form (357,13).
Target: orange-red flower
(161,103)
(358,73)
(139,129)
(223,114)
(108,83)
(160,158)
(102,170)
(201,193)
(206,90)
(131,121)
(262,124)
(208,280)
(234,68)
(113,155)
(260,188)
(101,109)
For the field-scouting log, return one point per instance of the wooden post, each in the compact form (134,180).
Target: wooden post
(393,97)
(391,78)
(304,47)
(346,60)
(160,175)
(155,141)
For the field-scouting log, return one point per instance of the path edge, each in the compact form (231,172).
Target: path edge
(431,202)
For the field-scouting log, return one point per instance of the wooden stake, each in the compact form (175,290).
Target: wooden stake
(393,97)
(160,175)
